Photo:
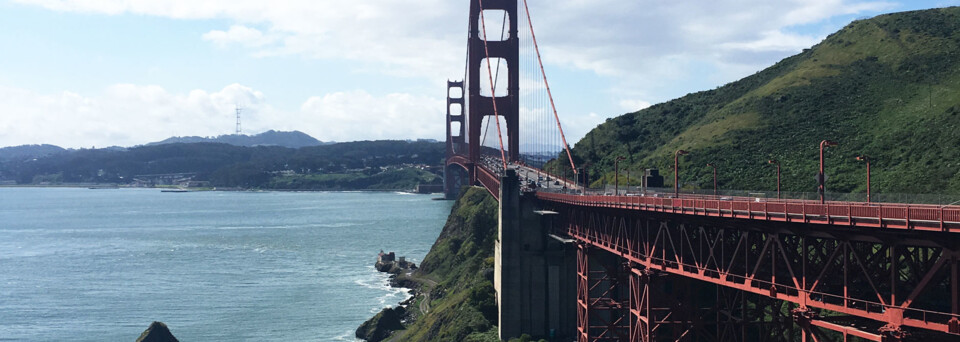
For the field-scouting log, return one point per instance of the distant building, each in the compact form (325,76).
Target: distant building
(163,179)
(429,188)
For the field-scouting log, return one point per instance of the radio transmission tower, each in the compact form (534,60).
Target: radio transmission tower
(238,119)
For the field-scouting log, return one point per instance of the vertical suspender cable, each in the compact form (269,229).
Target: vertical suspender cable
(547,85)
(493,90)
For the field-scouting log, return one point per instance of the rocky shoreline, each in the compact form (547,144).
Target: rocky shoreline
(453,293)
(388,320)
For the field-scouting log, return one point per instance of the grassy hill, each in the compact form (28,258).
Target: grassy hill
(886,87)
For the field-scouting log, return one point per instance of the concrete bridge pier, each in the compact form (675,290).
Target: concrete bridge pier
(535,272)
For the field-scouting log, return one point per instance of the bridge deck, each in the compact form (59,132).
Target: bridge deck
(921,217)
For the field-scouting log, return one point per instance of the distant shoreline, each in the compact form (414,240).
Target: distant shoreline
(115,186)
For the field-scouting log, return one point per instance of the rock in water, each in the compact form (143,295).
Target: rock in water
(380,326)
(157,332)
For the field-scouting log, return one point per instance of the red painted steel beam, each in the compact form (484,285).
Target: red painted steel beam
(846,330)
(605,233)
(489,181)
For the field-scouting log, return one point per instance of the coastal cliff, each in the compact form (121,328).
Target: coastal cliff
(454,298)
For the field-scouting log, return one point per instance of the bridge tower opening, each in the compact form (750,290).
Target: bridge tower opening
(482,50)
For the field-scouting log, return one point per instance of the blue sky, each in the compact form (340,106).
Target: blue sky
(82,73)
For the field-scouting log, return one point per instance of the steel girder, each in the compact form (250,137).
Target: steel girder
(601,296)
(771,281)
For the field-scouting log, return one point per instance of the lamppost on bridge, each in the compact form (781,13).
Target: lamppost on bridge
(616,175)
(577,177)
(676,172)
(774,161)
(867,160)
(821,177)
(714,178)
(628,178)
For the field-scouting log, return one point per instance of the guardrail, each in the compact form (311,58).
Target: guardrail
(896,216)
(489,181)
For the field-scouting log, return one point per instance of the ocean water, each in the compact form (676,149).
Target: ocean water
(100,265)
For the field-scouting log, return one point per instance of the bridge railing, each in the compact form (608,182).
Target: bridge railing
(902,216)
(490,181)
(785,196)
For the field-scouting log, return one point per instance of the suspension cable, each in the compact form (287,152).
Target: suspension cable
(493,90)
(547,84)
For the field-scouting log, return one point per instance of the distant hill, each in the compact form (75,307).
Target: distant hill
(385,164)
(28,151)
(887,87)
(294,139)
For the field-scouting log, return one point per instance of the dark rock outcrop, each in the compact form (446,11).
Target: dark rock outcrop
(387,262)
(157,332)
(380,326)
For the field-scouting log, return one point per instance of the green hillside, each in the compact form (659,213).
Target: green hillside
(887,87)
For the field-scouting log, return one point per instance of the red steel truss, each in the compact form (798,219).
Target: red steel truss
(601,294)
(772,280)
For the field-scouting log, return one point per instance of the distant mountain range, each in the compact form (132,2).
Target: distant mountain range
(29,151)
(384,164)
(294,139)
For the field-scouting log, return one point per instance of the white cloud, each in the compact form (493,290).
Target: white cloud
(776,41)
(633,105)
(393,34)
(654,50)
(576,127)
(239,34)
(609,37)
(345,116)
(128,115)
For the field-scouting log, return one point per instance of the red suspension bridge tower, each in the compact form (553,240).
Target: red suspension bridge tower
(466,113)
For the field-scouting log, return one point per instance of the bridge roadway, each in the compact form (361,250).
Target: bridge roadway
(893,264)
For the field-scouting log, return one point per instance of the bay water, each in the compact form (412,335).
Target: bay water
(101,265)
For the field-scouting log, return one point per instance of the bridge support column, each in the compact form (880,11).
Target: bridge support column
(455,178)
(534,270)
(507,267)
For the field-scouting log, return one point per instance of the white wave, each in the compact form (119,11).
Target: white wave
(347,336)
(392,296)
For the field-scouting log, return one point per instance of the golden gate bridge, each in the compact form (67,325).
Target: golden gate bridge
(669,266)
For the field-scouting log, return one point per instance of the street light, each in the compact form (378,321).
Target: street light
(616,175)
(676,172)
(628,179)
(821,177)
(867,160)
(643,180)
(778,175)
(714,178)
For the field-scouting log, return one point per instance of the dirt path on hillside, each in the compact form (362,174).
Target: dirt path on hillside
(426,286)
